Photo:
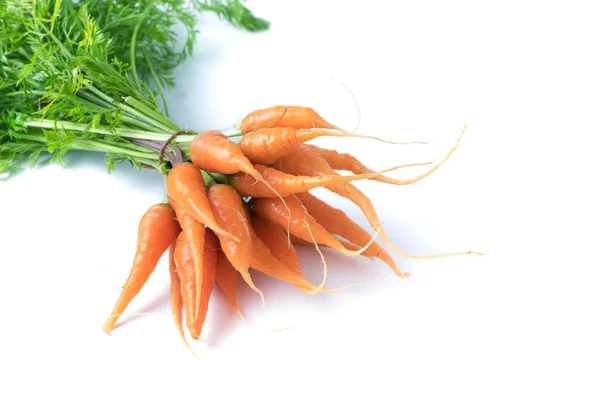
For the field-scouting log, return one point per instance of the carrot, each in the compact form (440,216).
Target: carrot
(176,298)
(194,233)
(209,270)
(342,161)
(275,238)
(196,304)
(266,145)
(214,152)
(287,184)
(285,116)
(186,187)
(157,229)
(264,261)
(226,279)
(184,262)
(337,222)
(302,224)
(229,211)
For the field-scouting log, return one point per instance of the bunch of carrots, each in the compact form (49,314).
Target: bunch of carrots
(216,232)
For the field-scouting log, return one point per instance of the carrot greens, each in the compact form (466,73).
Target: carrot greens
(90,75)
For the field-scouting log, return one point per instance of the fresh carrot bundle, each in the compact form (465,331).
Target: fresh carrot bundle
(157,229)
(302,224)
(337,222)
(286,184)
(266,145)
(229,211)
(347,162)
(227,279)
(275,238)
(285,116)
(185,187)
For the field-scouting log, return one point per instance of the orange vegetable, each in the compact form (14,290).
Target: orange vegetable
(302,224)
(185,186)
(286,184)
(229,211)
(227,279)
(214,152)
(157,229)
(285,116)
(194,241)
(275,238)
(176,298)
(266,145)
(337,222)
(196,304)
(184,262)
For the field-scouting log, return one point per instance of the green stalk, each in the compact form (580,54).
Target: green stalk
(73,126)
(158,84)
(133,102)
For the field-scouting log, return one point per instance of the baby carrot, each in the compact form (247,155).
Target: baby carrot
(157,229)
(275,238)
(184,262)
(302,224)
(214,152)
(186,187)
(229,211)
(266,145)
(176,298)
(194,242)
(227,279)
(285,116)
(286,184)
(337,222)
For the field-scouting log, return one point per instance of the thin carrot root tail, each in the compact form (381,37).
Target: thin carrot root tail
(358,114)
(339,289)
(250,282)
(435,167)
(325,132)
(320,287)
(437,256)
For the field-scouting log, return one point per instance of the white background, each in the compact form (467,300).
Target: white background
(523,75)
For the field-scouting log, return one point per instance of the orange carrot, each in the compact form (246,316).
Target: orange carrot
(209,270)
(214,152)
(286,184)
(184,262)
(337,222)
(342,161)
(227,279)
(266,145)
(176,298)
(157,229)
(285,116)
(186,187)
(194,241)
(302,224)
(229,211)
(275,238)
